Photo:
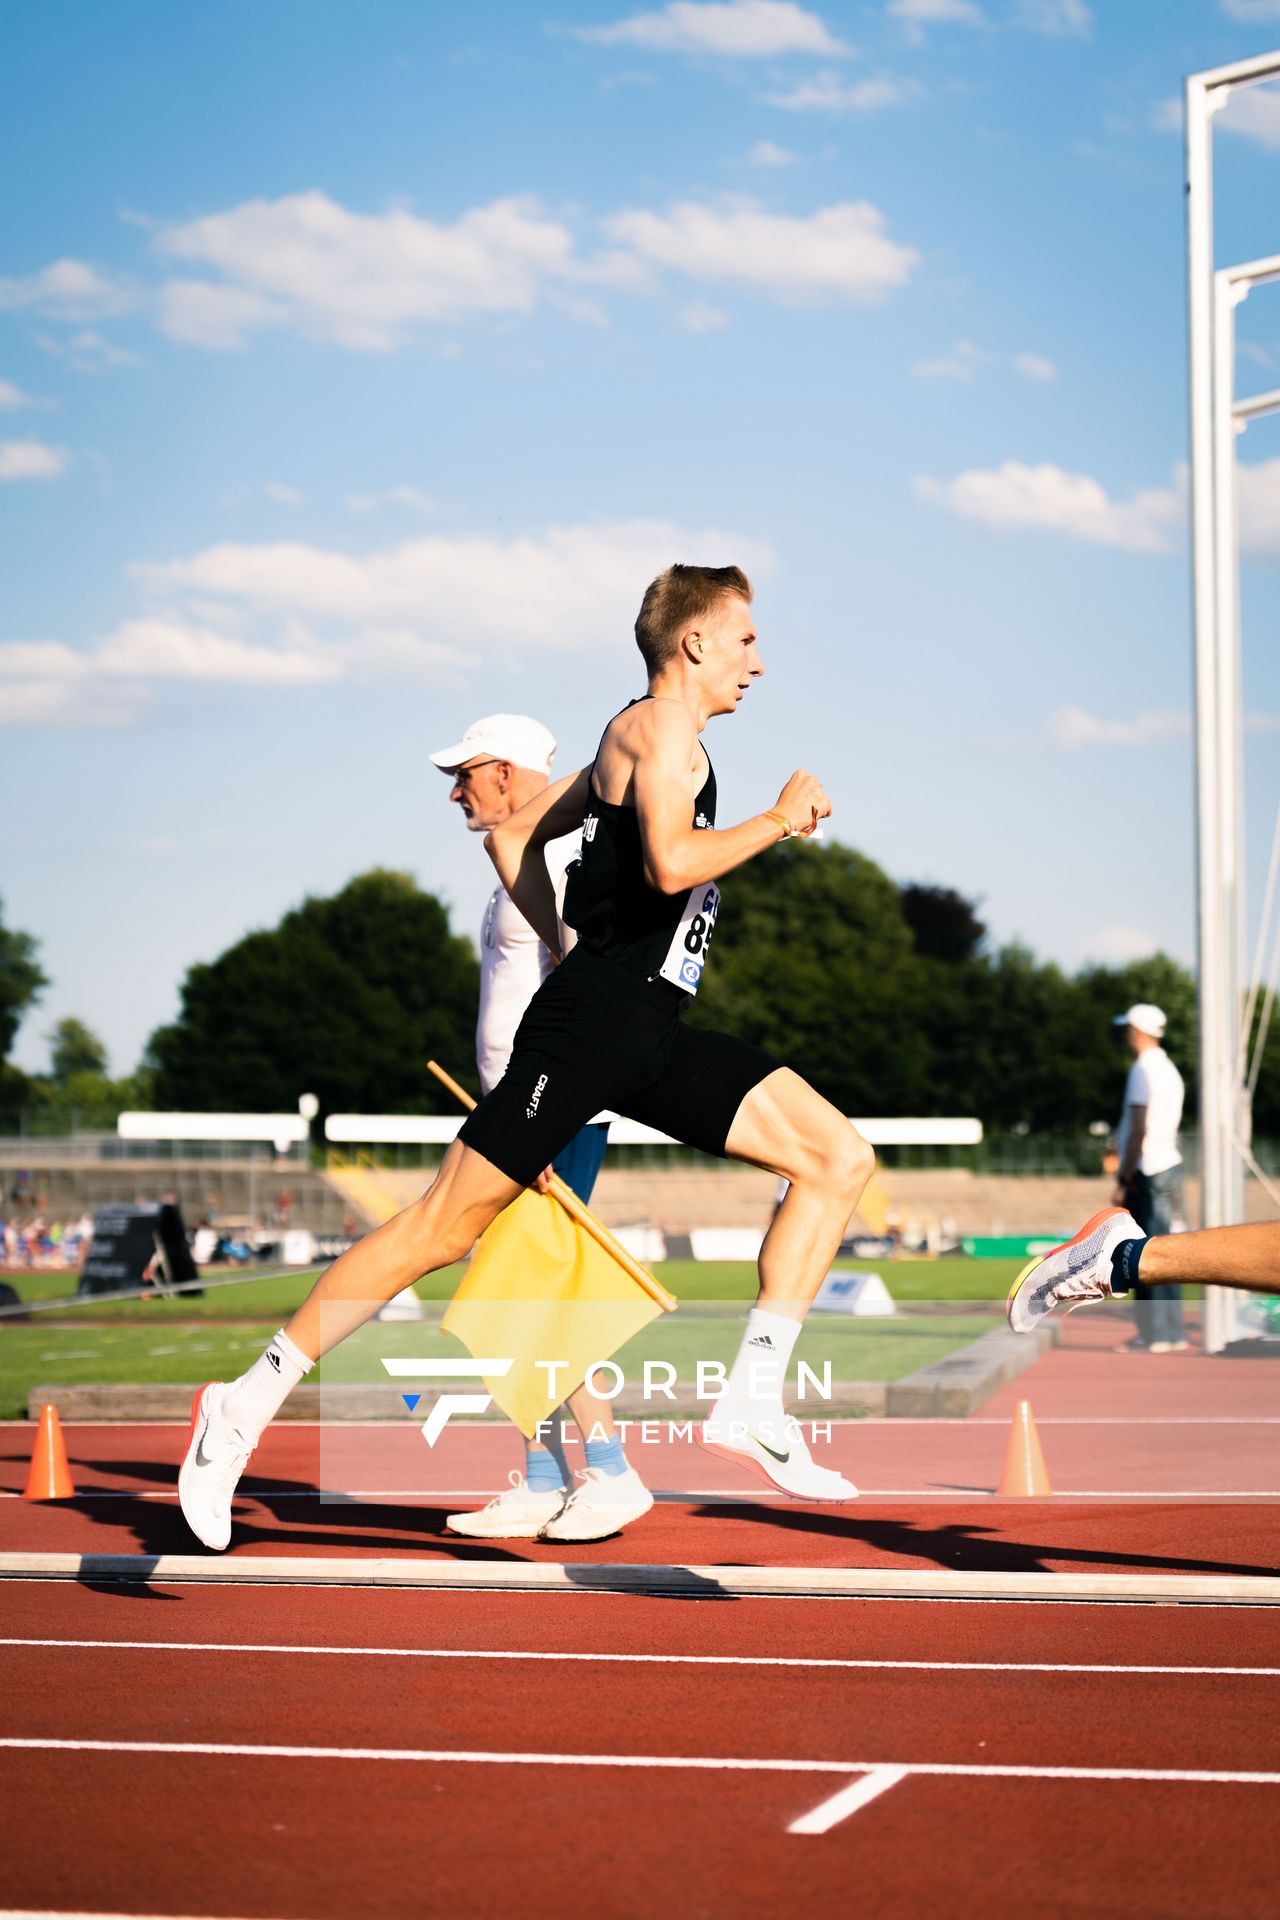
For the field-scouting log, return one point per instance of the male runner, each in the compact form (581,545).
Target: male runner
(605,1031)
(500,763)
(1106,1257)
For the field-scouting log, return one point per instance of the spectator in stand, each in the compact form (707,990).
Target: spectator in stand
(1150,1170)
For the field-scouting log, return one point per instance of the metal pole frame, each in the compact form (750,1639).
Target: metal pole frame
(1218,723)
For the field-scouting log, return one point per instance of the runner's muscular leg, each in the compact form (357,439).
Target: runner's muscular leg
(442,1226)
(788,1128)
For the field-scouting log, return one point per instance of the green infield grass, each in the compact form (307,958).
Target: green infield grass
(185,1339)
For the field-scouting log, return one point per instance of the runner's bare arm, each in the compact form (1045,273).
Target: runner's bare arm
(678,855)
(516,846)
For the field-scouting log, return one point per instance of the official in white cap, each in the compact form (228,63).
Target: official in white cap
(1150,1171)
(500,763)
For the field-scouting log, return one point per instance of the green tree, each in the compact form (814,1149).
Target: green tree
(944,925)
(22,980)
(813,959)
(75,1049)
(346,998)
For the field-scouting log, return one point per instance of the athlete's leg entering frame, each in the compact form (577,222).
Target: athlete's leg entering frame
(784,1125)
(227,1419)
(467,1194)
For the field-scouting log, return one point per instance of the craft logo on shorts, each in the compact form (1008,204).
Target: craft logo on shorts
(531,1110)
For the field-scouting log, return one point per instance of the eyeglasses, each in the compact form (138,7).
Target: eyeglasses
(462,775)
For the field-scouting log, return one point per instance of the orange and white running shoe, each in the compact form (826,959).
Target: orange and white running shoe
(1072,1274)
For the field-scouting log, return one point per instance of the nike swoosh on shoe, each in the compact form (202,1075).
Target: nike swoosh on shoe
(781,1458)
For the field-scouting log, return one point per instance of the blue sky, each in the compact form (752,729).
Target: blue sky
(359,366)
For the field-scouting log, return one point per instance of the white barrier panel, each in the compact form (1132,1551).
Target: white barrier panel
(392,1129)
(846,1290)
(726,1243)
(298,1248)
(434,1129)
(643,1243)
(212,1126)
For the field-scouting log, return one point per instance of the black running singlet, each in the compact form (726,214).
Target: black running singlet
(616,913)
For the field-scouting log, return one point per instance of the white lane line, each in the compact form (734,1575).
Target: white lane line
(445,1756)
(638,1659)
(428,1574)
(859,1793)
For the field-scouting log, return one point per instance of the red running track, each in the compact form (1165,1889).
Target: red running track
(334,1835)
(280,1510)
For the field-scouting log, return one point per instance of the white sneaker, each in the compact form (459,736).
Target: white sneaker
(603,1504)
(518,1513)
(1077,1271)
(783,1460)
(217,1454)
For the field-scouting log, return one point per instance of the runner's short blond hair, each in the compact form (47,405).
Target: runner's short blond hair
(677,600)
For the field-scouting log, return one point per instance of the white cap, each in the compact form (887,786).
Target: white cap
(502,736)
(1146,1018)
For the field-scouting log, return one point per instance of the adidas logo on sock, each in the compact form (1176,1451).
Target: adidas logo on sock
(760,1340)
(273,1358)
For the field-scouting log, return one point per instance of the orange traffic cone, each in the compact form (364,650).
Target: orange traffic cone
(50,1476)
(1023,1476)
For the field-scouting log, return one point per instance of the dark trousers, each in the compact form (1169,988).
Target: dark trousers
(1151,1198)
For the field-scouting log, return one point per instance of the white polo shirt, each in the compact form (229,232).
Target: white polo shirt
(1154,1083)
(513,964)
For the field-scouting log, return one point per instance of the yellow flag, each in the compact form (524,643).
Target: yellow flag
(540,1289)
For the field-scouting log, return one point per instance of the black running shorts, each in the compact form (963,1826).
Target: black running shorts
(596,1036)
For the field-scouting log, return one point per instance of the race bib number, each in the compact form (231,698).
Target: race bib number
(687,954)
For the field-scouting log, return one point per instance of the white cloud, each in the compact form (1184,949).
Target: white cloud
(919,13)
(701,317)
(964,360)
(87,351)
(557,591)
(1073,728)
(960,364)
(1258,499)
(1251,10)
(11,397)
(740,28)
(282,495)
(827,93)
(1034,366)
(169,648)
(1055,17)
(441,610)
(31,460)
(362,280)
(202,313)
(1019,498)
(45,683)
(766,154)
(1253,112)
(411,498)
(840,252)
(1117,946)
(66,290)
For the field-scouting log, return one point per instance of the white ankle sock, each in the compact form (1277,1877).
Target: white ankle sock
(257,1396)
(753,1392)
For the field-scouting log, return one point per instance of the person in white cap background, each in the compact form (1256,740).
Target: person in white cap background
(501,762)
(1150,1170)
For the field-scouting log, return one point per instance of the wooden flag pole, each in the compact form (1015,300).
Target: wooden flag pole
(578,1211)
